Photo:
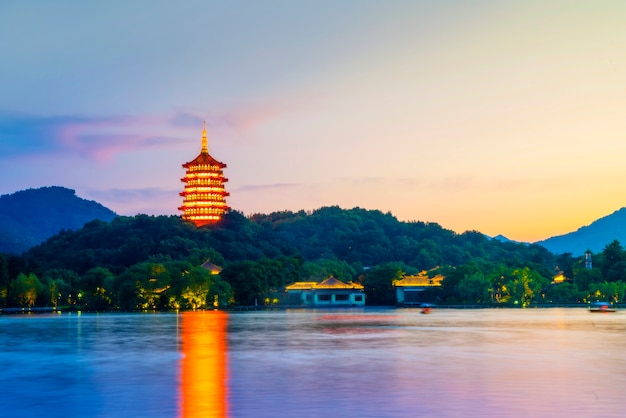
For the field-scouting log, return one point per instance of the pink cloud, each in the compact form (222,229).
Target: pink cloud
(244,118)
(103,139)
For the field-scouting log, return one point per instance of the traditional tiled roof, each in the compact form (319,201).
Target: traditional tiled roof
(204,159)
(332,283)
(301,286)
(213,269)
(421,280)
(329,283)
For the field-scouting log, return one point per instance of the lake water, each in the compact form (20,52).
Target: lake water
(303,363)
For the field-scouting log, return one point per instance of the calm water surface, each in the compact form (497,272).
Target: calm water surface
(335,363)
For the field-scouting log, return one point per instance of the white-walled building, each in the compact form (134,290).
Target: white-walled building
(329,292)
(409,289)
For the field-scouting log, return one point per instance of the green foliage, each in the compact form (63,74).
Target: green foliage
(170,285)
(584,278)
(63,286)
(475,288)
(319,270)
(60,292)
(5,279)
(564,293)
(525,286)
(96,289)
(378,284)
(196,290)
(608,291)
(147,262)
(613,264)
(24,290)
(151,281)
(252,281)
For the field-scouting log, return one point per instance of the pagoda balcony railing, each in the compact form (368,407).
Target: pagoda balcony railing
(218,198)
(196,198)
(209,180)
(204,189)
(213,205)
(200,212)
(205,167)
(193,183)
(199,196)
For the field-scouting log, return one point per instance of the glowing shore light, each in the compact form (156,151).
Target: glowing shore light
(204,195)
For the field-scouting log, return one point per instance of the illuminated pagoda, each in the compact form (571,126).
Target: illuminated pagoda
(204,195)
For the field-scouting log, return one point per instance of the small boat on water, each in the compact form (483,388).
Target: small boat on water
(426,308)
(601,307)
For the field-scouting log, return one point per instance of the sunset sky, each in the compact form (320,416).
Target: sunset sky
(505,117)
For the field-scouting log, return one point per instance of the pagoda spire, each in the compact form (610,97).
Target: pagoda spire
(205,142)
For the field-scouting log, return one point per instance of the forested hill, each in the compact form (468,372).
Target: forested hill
(370,237)
(148,262)
(360,238)
(31,216)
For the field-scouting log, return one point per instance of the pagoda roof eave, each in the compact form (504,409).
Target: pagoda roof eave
(204,159)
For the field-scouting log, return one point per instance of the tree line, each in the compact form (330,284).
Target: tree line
(154,263)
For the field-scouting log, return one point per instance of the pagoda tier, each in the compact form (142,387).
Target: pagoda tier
(204,194)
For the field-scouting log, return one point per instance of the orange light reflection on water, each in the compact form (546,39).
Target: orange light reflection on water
(204,369)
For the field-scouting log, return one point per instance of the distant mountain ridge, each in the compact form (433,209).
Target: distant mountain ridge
(593,237)
(29,217)
(502,238)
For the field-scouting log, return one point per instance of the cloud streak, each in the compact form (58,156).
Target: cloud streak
(95,138)
(103,138)
(267,187)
